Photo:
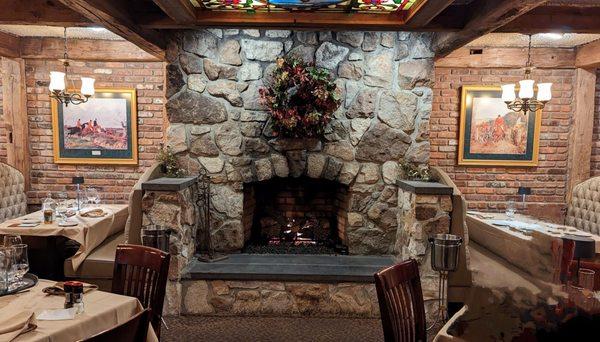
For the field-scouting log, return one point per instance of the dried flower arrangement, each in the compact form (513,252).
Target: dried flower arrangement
(170,164)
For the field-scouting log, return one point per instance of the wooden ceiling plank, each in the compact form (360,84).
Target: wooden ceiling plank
(506,57)
(426,12)
(485,17)
(182,11)
(9,45)
(588,55)
(567,19)
(114,16)
(40,12)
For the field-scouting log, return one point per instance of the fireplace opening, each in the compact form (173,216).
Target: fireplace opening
(295,216)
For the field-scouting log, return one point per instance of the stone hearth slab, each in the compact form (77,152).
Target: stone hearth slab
(306,268)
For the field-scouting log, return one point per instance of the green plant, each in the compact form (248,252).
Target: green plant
(301,99)
(415,172)
(169,162)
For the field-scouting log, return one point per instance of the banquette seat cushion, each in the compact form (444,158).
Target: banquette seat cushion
(584,208)
(13,200)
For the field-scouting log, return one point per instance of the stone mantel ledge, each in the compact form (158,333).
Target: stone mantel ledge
(168,184)
(425,188)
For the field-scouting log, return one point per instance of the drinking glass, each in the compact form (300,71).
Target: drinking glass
(586,278)
(92,195)
(11,240)
(6,261)
(511,209)
(20,264)
(62,206)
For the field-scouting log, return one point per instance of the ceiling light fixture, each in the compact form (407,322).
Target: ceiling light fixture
(552,35)
(526,102)
(58,89)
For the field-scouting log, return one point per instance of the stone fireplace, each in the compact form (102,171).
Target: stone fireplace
(296,216)
(335,195)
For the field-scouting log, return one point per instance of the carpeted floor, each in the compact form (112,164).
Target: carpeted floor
(271,329)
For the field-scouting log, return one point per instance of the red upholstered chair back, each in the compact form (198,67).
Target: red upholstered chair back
(401,303)
(142,272)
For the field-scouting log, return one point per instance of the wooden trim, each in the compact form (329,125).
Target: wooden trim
(497,163)
(113,15)
(588,55)
(134,135)
(582,127)
(504,57)
(556,18)
(181,11)
(40,12)
(83,49)
(14,105)
(486,16)
(426,12)
(9,45)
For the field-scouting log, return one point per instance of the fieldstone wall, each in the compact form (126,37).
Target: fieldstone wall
(252,298)
(216,120)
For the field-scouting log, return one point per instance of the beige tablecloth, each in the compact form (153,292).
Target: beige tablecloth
(103,310)
(89,233)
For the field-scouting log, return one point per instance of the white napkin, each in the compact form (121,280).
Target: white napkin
(57,314)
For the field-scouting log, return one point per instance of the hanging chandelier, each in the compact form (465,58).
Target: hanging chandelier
(58,79)
(526,101)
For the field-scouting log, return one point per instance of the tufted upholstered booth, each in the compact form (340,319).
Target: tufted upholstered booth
(13,200)
(584,209)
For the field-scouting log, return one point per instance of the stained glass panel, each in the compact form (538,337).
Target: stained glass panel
(371,6)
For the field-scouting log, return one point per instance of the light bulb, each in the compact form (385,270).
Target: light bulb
(57,81)
(526,89)
(87,86)
(544,92)
(508,93)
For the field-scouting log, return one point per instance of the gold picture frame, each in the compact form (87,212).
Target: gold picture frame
(491,136)
(81,142)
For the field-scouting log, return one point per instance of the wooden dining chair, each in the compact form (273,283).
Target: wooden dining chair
(401,303)
(142,272)
(134,330)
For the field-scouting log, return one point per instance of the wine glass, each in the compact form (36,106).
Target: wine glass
(20,264)
(62,206)
(11,240)
(92,196)
(511,209)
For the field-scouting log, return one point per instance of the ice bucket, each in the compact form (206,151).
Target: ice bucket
(444,252)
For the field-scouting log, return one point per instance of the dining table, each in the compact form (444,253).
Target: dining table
(88,232)
(21,315)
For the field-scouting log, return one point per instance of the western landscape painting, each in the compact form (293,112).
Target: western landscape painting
(101,130)
(491,134)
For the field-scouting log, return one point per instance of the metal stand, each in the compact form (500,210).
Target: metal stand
(203,202)
(442,312)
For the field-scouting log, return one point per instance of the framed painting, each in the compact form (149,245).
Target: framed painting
(102,130)
(493,135)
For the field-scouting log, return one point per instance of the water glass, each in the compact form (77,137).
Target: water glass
(20,264)
(62,206)
(511,209)
(6,260)
(11,240)
(586,278)
(92,195)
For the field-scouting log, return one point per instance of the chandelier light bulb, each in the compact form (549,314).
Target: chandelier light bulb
(544,93)
(508,93)
(87,86)
(57,81)
(526,89)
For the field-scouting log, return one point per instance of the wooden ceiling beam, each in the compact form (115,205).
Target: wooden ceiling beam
(485,17)
(588,55)
(181,11)
(566,19)
(40,12)
(114,16)
(426,12)
(9,45)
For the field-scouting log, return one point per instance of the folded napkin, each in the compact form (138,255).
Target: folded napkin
(13,324)
(92,212)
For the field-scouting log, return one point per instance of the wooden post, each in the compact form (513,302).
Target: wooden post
(580,137)
(14,105)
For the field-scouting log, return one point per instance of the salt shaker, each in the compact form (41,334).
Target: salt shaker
(77,296)
(68,288)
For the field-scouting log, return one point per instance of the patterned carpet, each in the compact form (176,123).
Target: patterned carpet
(271,329)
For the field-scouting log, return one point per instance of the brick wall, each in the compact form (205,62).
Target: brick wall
(595,165)
(114,182)
(488,188)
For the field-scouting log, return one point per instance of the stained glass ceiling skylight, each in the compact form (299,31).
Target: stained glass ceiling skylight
(364,6)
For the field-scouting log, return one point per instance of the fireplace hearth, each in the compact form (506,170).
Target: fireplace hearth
(295,216)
